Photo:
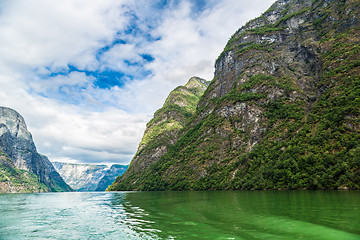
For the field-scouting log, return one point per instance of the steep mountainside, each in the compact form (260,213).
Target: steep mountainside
(163,130)
(14,180)
(282,111)
(86,177)
(110,176)
(22,168)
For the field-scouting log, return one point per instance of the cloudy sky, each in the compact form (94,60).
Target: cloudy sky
(88,74)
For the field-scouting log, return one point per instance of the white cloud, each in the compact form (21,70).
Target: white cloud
(188,46)
(110,136)
(119,57)
(47,33)
(72,119)
(53,83)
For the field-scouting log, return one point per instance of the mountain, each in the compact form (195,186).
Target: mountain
(22,168)
(110,176)
(87,177)
(165,127)
(13,180)
(282,111)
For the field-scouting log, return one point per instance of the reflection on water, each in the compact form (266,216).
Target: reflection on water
(182,215)
(249,215)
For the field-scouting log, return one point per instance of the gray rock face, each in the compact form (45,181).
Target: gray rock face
(14,123)
(86,177)
(280,47)
(273,44)
(16,142)
(251,118)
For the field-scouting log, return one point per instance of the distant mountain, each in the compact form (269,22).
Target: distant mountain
(110,176)
(87,177)
(22,168)
(282,112)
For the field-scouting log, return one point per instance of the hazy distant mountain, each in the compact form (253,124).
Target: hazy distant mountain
(86,177)
(110,176)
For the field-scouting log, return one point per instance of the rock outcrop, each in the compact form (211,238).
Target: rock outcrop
(282,111)
(89,177)
(22,161)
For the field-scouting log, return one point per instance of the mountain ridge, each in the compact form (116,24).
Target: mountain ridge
(20,159)
(282,111)
(163,129)
(89,177)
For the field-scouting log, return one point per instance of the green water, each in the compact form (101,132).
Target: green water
(182,215)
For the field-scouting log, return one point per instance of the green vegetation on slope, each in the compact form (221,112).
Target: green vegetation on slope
(179,106)
(162,131)
(297,128)
(13,179)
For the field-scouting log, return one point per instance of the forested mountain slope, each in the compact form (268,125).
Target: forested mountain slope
(282,111)
(163,129)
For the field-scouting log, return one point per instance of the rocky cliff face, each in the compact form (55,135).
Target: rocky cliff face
(282,111)
(14,180)
(20,155)
(163,130)
(87,177)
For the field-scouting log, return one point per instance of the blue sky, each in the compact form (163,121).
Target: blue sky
(87,75)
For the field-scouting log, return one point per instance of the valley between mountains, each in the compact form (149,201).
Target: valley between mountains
(282,112)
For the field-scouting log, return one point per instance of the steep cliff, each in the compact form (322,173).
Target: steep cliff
(89,177)
(14,180)
(22,167)
(163,129)
(282,111)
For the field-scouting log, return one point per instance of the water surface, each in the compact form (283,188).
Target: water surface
(182,215)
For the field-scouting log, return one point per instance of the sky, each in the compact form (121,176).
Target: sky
(87,75)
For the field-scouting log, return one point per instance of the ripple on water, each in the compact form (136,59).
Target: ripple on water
(181,215)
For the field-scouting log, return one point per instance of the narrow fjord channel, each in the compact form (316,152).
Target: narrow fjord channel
(181,215)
